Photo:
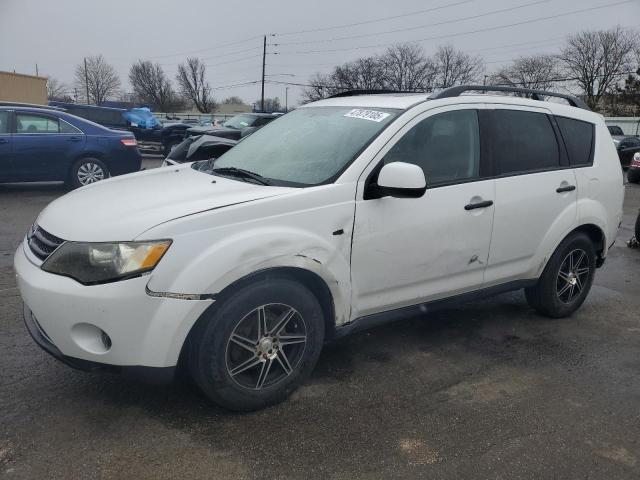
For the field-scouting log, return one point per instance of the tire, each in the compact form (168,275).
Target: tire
(87,171)
(638,227)
(249,371)
(633,175)
(561,289)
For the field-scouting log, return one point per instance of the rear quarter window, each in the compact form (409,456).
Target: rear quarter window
(523,142)
(578,138)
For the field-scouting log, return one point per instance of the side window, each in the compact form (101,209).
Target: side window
(523,142)
(4,122)
(68,128)
(578,138)
(446,146)
(28,123)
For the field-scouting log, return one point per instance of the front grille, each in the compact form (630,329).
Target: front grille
(42,243)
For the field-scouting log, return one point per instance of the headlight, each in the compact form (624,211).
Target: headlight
(93,263)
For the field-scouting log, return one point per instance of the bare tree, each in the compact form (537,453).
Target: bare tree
(56,90)
(405,67)
(234,100)
(270,104)
(151,85)
(99,78)
(193,84)
(533,71)
(362,74)
(598,59)
(454,67)
(318,88)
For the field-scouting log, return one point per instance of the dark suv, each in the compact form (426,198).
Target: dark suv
(45,144)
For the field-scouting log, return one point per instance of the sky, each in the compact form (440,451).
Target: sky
(303,37)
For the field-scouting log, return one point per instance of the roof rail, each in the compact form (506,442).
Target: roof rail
(534,94)
(29,105)
(351,93)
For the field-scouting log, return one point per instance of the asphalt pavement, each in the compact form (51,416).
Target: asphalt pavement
(485,390)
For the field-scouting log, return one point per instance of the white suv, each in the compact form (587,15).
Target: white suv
(339,215)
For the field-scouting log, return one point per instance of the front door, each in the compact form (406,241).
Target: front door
(406,251)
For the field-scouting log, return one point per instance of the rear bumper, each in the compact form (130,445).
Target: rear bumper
(156,375)
(127,160)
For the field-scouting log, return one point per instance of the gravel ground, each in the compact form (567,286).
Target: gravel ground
(485,390)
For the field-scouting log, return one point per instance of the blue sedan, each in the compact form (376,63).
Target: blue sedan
(44,144)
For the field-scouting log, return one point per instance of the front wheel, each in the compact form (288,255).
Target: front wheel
(259,345)
(567,278)
(87,171)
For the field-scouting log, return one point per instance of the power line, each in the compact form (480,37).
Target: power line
(218,64)
(468,32)
(206,49)
(219,56)
(380,19)
(444,22)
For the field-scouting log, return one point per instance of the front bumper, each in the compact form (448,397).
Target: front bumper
(144,331)
(156,375)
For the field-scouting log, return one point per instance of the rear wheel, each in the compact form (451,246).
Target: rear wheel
(259,345)
(567,278)
(87,171)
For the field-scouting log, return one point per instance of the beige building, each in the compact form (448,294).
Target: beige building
(17,87)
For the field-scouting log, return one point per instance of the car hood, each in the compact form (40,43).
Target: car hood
(122,208)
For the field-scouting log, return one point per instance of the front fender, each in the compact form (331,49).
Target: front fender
(245,252)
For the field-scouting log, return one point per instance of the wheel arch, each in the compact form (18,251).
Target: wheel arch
(314,282)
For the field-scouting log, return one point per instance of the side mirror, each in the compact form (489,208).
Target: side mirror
(401,180)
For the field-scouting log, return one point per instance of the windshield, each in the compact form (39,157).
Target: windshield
(240,121)
(308,146)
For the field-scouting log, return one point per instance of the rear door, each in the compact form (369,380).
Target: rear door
(535,201)
(5,145)
(44,147)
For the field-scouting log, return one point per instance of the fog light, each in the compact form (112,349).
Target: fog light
(91,338)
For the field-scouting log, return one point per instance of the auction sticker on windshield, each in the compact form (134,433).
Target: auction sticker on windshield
(372,115)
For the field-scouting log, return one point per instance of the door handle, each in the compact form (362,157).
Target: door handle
(73,139)
(3,140)
(473,206)
(567,188)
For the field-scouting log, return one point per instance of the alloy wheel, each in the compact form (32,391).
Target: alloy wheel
(266,346)
(572,276)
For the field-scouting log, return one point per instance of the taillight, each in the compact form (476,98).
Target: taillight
(129,142)
(636,160)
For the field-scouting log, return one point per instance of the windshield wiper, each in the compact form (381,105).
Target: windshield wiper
(241,173)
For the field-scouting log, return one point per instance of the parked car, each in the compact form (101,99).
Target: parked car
(615,130)
(44,144)
(150,134)
(626,147)
(202,147)
(340,215)
(633,174)
(235,126)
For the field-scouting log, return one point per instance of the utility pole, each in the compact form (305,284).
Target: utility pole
(264,57)
(286,99)
(485,80)
(37,70)
(86,79)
